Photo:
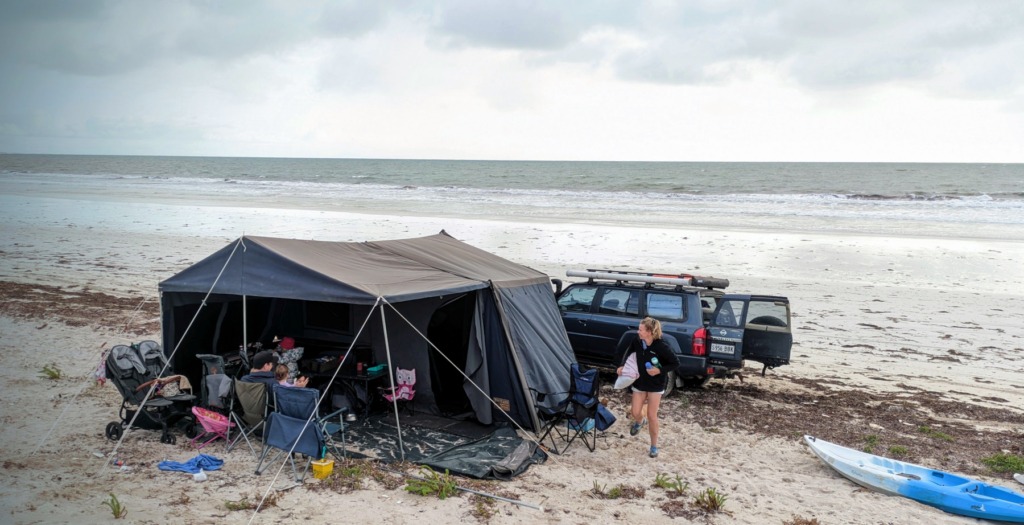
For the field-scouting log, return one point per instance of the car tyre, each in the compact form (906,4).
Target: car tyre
(695,381)
(670,384)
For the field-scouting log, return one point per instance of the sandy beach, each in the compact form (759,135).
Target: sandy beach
(892,334)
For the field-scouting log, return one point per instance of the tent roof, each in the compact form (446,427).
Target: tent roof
(358,273)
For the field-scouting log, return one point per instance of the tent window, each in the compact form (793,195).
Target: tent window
(328,316)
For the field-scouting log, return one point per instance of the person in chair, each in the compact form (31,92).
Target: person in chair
(263,364)
(281,374)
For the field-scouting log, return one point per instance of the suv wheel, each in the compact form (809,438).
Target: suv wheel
(670,384)
(695,381)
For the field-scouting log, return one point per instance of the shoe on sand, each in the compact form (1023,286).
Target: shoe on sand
(654,452)
(634,429)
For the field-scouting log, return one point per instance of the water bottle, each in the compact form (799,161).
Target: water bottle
(655,363)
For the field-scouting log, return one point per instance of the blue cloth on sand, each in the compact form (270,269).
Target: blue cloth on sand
(194,465)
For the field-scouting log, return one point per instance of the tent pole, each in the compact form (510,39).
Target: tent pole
(391,378)
(245,331)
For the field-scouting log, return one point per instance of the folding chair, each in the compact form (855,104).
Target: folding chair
(215,426)
(576,415)
(404,392)
(291,434)
(215,391)
(248,411)
(301,402)
(295,422)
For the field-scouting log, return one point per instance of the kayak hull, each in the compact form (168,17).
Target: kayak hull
(950,492)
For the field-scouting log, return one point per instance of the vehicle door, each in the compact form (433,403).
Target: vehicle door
(755,327)
(575,304)
(616,311)
(680,316)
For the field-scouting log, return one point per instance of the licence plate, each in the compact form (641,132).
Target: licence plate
(719,348)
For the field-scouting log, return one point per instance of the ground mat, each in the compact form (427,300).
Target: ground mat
(461,447)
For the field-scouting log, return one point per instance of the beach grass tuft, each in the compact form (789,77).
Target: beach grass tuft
(119,511)
(800,520)
(870,442)
(483,508)
(246,504)
(433,483)
(897,451)
(51,372)
(675,487)
(1004,462)
(710,500)
(932,433)
(618,491)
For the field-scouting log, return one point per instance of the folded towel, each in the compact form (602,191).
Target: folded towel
(194,465)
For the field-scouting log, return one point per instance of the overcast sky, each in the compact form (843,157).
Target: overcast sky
(714,80)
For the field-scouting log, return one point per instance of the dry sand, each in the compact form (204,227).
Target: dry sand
(892,334)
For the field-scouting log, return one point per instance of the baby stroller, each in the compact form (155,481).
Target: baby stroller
(127,369)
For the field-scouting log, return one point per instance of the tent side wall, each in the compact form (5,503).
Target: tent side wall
(540,346)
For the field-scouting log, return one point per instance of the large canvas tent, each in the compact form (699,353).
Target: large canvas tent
(435,304)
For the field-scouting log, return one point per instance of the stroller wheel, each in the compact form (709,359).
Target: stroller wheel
(167,439)
(191,431)
(114,431)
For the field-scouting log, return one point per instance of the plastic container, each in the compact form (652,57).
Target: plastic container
(199,476)
(323,468)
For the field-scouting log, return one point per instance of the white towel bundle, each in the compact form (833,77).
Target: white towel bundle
(629,373)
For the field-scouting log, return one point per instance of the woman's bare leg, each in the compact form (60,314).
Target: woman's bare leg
(636,408)
(653,402)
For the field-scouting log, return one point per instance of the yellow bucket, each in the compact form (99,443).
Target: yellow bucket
(323,468)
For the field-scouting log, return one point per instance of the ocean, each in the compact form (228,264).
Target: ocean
(947,200)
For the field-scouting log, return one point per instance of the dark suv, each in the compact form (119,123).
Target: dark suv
(710,331)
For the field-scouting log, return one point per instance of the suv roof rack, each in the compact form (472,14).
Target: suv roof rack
(682,279)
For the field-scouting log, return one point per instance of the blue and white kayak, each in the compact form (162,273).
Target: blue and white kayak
(949,492)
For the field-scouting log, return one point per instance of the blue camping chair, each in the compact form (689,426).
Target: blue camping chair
(575,417)
(295,423)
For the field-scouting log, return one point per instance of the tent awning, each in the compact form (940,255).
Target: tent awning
(356,273)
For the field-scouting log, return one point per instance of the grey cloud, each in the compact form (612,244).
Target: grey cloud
(820,44)
(101,38)
(524,24)
(504,25)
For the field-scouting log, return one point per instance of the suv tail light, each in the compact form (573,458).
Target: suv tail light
(700,341)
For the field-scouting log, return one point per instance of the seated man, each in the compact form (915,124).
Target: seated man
(263,364)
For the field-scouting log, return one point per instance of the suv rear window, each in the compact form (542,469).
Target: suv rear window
(665,307)
(767,313)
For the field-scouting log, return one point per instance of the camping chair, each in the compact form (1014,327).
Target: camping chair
(576,415)
(215,391)
(301,402)
(404,393)
(248,411)
(214,424)
(291,434)
(295,423)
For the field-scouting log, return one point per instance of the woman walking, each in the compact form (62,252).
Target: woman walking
(655,359)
